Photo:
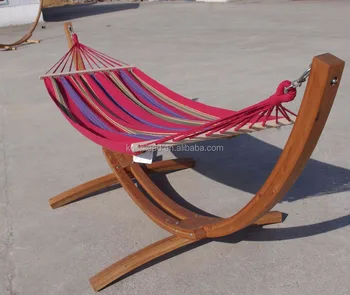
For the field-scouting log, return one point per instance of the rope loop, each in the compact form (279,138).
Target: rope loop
(75,39)
(281,96)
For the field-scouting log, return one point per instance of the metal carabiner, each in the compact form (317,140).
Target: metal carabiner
(298,82)
(304,76)
(71,30)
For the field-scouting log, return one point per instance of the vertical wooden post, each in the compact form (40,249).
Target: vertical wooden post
(78,60)
(67,30)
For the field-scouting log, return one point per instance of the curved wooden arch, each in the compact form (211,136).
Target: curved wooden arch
(321,89)
(187,227)
(27,36)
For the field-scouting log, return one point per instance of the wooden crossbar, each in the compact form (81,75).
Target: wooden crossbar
(85,72)
(188,227)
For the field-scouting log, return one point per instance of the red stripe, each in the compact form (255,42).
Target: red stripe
(210,110)
(116,142)
(114,110)
(107,101)
(73,106)
(186,116)
(133,108)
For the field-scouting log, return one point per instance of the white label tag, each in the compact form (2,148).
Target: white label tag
(144,158)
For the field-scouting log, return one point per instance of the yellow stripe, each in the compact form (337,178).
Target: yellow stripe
(88,98)
(97,108)
(61,101)
(127,92)
(174,103)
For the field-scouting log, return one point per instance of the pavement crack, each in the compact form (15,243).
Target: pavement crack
(8,239)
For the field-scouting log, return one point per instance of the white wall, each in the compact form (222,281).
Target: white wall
(18,12)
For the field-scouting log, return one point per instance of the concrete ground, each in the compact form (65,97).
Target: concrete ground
(230,55)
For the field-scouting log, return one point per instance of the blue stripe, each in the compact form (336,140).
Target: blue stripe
(145,95)
(131,114)
(82,106)
(86,111)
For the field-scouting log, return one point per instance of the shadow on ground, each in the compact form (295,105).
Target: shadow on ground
(254,234)
(246,162)
(69,12)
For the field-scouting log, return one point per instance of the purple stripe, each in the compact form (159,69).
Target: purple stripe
(82,106)
(86,111)
(145,95)
(131,114)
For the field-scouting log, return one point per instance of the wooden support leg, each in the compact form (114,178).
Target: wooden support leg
(271,217)
(33,41)
(106,181)
(82,190)
(9,47)
(14,47)
(131,262)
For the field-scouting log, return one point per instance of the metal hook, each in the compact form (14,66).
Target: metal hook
(298,82)
(304,76)
(71,30)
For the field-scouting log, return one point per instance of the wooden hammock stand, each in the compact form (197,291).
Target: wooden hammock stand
(26,37)
(188,227)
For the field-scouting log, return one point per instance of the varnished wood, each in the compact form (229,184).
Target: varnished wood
(67,30)
(164,201)
(314,110)
(190,229)
(9,47)
(108,180)
(169,165)
(25,38)
(83,190)
(269,218)
(131,262)
(33,41)
(153,251)
(79,64)
(85,71)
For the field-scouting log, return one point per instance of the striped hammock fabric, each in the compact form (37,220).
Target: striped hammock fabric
(121,108)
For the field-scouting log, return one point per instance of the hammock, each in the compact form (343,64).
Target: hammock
(121,108)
